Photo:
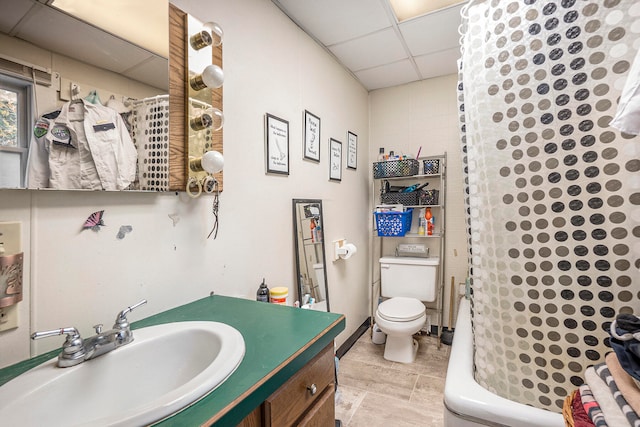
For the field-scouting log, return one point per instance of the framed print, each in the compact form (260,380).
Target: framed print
(277,144)
(352,150)
(311,136)
(335,160)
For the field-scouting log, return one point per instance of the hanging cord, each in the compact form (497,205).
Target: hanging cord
(35,98)
(214,209)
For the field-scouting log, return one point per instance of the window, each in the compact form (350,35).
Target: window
(14,130)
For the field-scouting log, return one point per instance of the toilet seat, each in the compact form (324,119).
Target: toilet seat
(401,309)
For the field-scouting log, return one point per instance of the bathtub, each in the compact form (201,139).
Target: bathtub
(468,404)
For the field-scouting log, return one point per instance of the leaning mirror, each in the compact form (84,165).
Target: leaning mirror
(54,62)
(311,273)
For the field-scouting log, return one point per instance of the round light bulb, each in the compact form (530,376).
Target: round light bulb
(217,118)
(216,32)
(211,77)
(209,118)
(212,161)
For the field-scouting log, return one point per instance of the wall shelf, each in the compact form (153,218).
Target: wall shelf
(437,181)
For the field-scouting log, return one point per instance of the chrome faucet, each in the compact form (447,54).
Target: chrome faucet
(75,350)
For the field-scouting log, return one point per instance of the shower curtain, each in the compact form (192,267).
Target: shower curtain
(553,191)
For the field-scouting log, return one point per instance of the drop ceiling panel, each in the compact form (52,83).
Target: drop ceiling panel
(367,40)
(439,63)
(335,21)
(388,75)
(65,35)
(370,51)
(11,13)
(154,72)
(433,32)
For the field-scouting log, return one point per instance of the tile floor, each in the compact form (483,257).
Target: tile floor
(374,392)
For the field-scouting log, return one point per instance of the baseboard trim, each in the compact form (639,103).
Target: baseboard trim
(342,350)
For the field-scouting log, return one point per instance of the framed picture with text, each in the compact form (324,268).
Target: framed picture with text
(352,150)
(311,136)
(276,144)
(335,160)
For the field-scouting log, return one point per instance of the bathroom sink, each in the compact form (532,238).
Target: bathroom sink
(165,369)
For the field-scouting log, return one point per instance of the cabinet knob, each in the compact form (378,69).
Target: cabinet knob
(312,389)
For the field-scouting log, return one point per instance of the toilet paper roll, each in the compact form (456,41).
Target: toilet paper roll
(347,250)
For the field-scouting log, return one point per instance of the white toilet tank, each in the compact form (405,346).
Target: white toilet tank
(409,277)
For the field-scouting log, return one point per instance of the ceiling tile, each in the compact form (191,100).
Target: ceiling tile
(64,34)
(408,9)
(439,63)
(11,13)
(154,72)
(433,32)
(388,75)
(370,51)
(335,21)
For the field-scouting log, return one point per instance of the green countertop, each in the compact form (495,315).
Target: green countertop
(279,340)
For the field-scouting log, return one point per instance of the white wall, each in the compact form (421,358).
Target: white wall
(425,113)
(80,278)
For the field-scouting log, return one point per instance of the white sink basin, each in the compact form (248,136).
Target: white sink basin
(165,369)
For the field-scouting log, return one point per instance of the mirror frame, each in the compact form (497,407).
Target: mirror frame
(178,140)
(297,247)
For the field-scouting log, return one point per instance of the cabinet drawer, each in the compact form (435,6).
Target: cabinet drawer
(292,400)
(323,412)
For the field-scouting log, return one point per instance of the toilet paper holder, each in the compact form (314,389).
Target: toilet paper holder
(343,250)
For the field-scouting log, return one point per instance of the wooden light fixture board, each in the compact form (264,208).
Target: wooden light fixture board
(178,102)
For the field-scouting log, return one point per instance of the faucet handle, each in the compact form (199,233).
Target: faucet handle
(73,350)
(71,333)
(121,319)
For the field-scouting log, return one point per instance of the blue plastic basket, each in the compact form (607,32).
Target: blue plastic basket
(393,224)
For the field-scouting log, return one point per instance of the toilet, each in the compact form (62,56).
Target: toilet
(406,282)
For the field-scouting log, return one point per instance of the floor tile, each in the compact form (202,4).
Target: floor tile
(376,392)
(384,411)
(348,399)
(428,390)
(377,378)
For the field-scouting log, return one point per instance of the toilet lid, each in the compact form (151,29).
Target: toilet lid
(401,309)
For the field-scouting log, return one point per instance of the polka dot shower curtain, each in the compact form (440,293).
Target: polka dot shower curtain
(553,190)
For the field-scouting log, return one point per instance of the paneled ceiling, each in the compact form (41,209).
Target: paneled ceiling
(367,39)
(39,23)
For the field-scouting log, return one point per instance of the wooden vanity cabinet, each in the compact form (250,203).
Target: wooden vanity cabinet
(306,399)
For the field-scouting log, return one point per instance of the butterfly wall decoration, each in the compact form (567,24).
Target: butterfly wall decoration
(94,222)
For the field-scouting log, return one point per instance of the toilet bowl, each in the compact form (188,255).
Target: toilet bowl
(400,318)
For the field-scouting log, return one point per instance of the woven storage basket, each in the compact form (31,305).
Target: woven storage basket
(394,168)
(431,166)
(428,197)
(402,198)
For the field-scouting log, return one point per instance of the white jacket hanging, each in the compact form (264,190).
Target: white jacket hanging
(86,147)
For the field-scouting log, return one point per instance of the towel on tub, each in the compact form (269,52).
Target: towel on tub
(601,393)
(580,417)
(626,384)
(603,371)
(623,341)
(591,406)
